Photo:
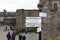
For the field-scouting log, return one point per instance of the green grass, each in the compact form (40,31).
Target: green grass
(54,38)
(32,29)
(17,31)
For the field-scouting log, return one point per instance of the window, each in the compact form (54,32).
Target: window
(55,6)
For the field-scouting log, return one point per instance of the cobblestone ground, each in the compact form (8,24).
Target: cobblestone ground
(29,36)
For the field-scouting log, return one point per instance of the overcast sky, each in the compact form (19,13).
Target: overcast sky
(12,5)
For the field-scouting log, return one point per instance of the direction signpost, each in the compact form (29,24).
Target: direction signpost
(33,22)
(42,14)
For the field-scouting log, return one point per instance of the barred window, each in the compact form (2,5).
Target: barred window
(55,6)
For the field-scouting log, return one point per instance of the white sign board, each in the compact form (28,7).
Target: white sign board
(33,19)
(33,22)
(41,14)
(39,29)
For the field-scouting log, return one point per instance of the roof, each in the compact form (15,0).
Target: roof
(9,14)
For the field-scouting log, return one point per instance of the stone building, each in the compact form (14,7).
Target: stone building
(21,15)
(9,19)
(51,23)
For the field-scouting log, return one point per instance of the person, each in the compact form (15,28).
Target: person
(13,36)
(26,31)
(23,37)
(10,28)
(6,27)
(8,36)
(20,37)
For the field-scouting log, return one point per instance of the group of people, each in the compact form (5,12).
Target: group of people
(12,36)
(22,37)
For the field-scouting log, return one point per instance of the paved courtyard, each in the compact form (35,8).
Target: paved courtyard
(29,36)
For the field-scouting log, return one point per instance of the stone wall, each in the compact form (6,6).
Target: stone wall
(51,23)
(21,15)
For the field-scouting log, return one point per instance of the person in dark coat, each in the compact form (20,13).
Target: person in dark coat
(23,37)
(13,36)
(20,37)
(8,36)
